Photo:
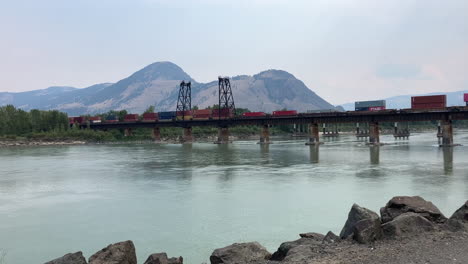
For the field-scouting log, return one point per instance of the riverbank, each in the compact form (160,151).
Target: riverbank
(408,230)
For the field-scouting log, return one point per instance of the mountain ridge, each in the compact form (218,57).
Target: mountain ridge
(157,84)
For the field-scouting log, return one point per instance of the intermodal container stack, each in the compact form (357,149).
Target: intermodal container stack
(167,116)
(131,118)
(254,114)
(223,113)
(184,115)
(111,119)
(376,105)
(285,113)
(465,98)
(95,119)
(150,117)
(428,102)
(201,114)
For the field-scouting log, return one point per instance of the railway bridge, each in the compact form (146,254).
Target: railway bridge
(445,116)
(224,119)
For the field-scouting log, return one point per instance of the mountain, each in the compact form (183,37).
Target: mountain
(404,101)
(158,83)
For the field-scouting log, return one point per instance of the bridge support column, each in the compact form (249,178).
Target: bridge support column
(156,134)
(265,135)
(447,133)
(223,136)
(187,136)
(128,132)
(374,133)
(314,135)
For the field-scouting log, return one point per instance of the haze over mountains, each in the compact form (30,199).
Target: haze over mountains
(158,84)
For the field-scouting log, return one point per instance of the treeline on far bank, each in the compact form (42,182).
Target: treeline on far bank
(53,125)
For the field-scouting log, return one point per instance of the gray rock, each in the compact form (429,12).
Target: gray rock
(238,253)
(356,214)
(459,220)
(313,235)
(157,258)
(403,204)
(161,258)
(71,258)
(179,260)
(330,238)
(406,225)
(118,253)
(367,231)
(285,249)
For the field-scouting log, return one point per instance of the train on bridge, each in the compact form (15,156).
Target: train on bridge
(418,103)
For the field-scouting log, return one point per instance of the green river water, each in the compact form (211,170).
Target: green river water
(190,199)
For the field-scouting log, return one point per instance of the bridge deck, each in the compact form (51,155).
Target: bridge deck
(450,113)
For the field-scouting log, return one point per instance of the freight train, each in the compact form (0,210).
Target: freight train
(425,103)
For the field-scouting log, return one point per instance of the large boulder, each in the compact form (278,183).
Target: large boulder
(238,253)
(367,231)
(118,253)
(459,220)
(161,258)
(286,248)
(71,258)
(356,214)
(330,238)
(407,224)
(403,204)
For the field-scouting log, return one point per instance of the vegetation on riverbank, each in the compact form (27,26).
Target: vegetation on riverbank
(53,125)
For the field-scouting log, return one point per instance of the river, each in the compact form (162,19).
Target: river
(190,199)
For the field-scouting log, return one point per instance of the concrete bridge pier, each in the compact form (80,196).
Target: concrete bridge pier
(265,135)
(223,136)
(187,135)
(447,133)
(128,132)
(374,133)
(156,134)
(314,135)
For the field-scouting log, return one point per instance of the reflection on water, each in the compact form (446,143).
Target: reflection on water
(448,160)
(188,199)
(314,153)
(374,154)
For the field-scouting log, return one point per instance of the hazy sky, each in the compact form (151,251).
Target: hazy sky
(342,50)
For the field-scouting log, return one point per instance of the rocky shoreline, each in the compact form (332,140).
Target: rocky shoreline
(408,230)
(29,143)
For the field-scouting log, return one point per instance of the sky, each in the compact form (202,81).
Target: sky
(341,49)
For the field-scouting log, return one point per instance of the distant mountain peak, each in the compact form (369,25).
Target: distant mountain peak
(163,70)
(275,74)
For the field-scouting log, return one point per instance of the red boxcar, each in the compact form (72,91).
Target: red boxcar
(71,120)
(131,118)
(427,102)
(285,113)
(465,97)
(79,120)
(150,117)
(202,114)
(248,114)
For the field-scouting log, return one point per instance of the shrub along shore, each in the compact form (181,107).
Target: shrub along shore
(408,230)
